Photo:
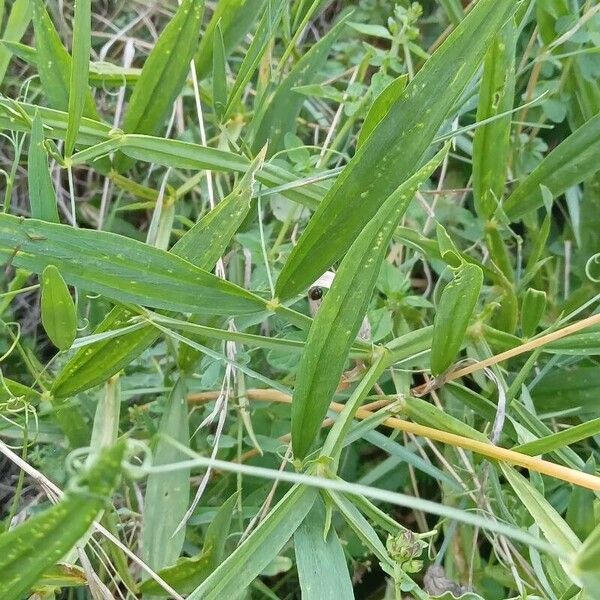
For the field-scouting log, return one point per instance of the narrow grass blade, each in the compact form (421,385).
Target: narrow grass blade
(395,148)
(321,564)
(167,493)
(57,529)
(264,33)
(55,64)
(59,316)
(491,141)
(563,438)
(340,315)
(572,161)
(219,73)
(42,197)
(259,548)
(18,20)
(164,73)
(284,105)
(121,268)
(189,573)
(80,67)
(236,18)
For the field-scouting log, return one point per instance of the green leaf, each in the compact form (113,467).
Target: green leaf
(59,316)
(339,317)
(189,573)
(563,438)
(121,268)
(381,107)
(202,245)
(452,315)
(57,529)
(167,493)
(284,105)
(264,33)
(42,197)
(491,141)
(219,73)
(18,20)
(236,18)
(320,560)
(532,311)
(572,161)
(586,563)
(552,525)
(255,553)
(395,149)
(55,63)
(164,73)
(80,67)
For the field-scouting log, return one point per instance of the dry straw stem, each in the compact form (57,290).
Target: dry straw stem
(494,452)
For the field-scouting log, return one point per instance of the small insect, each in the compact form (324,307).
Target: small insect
(315,293)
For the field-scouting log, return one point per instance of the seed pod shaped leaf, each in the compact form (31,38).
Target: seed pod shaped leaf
(58,310)
(532,310)
(453,313)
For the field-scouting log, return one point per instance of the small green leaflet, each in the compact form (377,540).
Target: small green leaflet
(59,316)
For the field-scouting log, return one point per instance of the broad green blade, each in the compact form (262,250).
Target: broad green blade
(164,73)
(121,268)
(394,150)
(254,554)
(167,493)
(283,106)
(80,67)
(57,529)
(491,141)
(59,316)
(572,161)
(339,317)
(320,560)
(42,197)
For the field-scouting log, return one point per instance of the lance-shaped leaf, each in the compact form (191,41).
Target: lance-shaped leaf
(322,568)
(265,31)
(18,20)
(283,107)
(381,107)
(339,317)
(571,162)
(42,197)
(167,493)
(164,73)
(121,268)
(54,64)
(189,573)
(491,141)
(59,316)
(80,69)
(259,548)
(57,529)
(453,313)
(395,148)
(236,18)
(202,245)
